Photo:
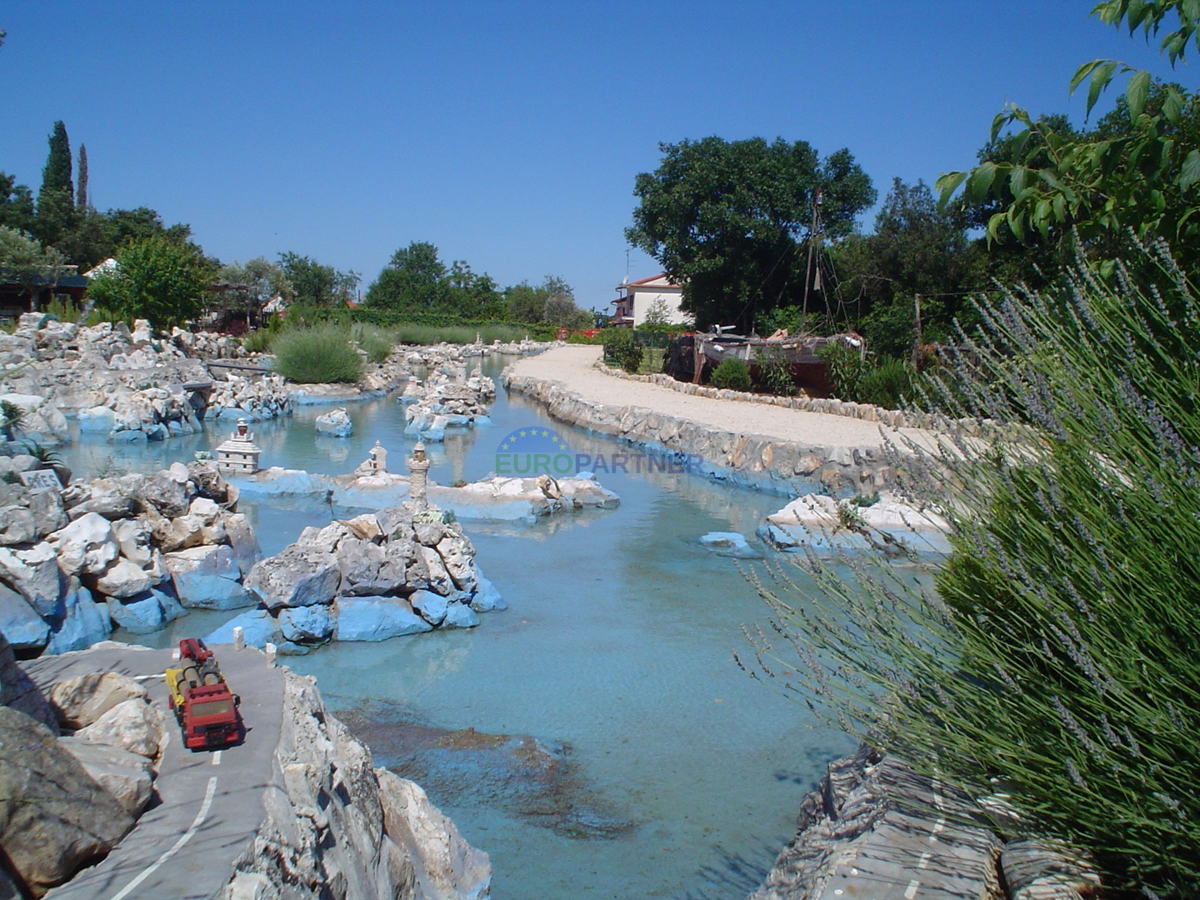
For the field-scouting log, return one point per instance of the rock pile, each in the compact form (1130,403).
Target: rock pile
(335,423)
(132,551)
(370,578)
(67,800)
(445,403)
(254,399)
(821,524)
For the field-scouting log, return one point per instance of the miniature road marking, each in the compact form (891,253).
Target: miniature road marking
(925,857)
(183,839)
(909,892)
(217,758)
(148,677)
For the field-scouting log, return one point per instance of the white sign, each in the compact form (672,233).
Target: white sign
(42,479)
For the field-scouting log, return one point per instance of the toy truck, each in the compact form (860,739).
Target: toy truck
(203,704)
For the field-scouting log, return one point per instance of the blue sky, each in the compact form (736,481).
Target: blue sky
(508,134)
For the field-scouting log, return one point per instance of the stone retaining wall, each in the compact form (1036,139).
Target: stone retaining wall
(752,457)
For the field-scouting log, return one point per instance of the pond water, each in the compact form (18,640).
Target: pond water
(596,739)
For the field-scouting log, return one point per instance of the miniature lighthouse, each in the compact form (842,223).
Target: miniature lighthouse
(238,454)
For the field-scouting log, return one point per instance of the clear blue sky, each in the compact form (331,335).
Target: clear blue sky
(506,133)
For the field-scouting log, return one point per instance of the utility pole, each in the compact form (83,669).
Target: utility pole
(813,230)
(917,341)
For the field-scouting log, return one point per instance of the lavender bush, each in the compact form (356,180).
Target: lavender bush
(1058,659)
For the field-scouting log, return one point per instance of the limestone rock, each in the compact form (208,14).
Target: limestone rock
(84,621)
(297,576)
(80,701)
(123,579)
(306,624)
(17,526)
(370,569)
(54,817)
(33,572)
(376,619)
(18,691)
(19,622)
(140,614)
(243,541)
(460,615)
(439,579)
(430,606)
(486,598)
(87,546)
(446,866)
(335,423)
(458,557)
(133,725)
(125,775)
(208,577)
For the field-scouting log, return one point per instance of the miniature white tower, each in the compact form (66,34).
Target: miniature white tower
(418,467)
(238,454)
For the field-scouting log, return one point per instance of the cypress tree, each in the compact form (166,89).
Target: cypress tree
(56,177)
(81,199)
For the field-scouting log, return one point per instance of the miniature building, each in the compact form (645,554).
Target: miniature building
(238,454)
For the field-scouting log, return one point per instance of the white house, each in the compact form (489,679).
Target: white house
(638,298)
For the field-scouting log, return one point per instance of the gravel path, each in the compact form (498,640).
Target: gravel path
(573,366)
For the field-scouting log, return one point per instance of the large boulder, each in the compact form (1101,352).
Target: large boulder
(84,621)
(243,542)
(35,573)
(133,725)
(335,423)
(486,598)
(259,628)
(18,691)
(54,817)
(87,546)
(376,619)
(299,575)
(17,526)
(208,577)
(20,623)
(127,776)
(306,624)
(124,579)
(80,701)
(141,614)
(458,556)
(445,865)
(371,569)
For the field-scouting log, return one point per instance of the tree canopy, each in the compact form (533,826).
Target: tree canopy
(157,279)
(314,284)
(729,220)
(416,281)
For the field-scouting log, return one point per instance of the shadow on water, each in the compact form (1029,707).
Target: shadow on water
(516,774)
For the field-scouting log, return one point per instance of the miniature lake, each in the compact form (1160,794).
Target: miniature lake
(596,739)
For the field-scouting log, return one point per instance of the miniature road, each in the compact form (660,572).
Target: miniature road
(206,806)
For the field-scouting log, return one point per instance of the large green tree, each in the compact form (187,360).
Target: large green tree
(156,278)
(16,204)
(315,284)
(414,280)
(56,197)
(27,262)
(917,249)
(732,221)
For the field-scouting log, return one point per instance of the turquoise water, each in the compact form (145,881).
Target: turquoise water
(659,769)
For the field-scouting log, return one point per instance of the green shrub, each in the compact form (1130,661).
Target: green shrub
(416,333)
(258,340)
(317,355)
(880,381)
(621,349)
(775,373)
(731,374)
(375,342)
(1057,662)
